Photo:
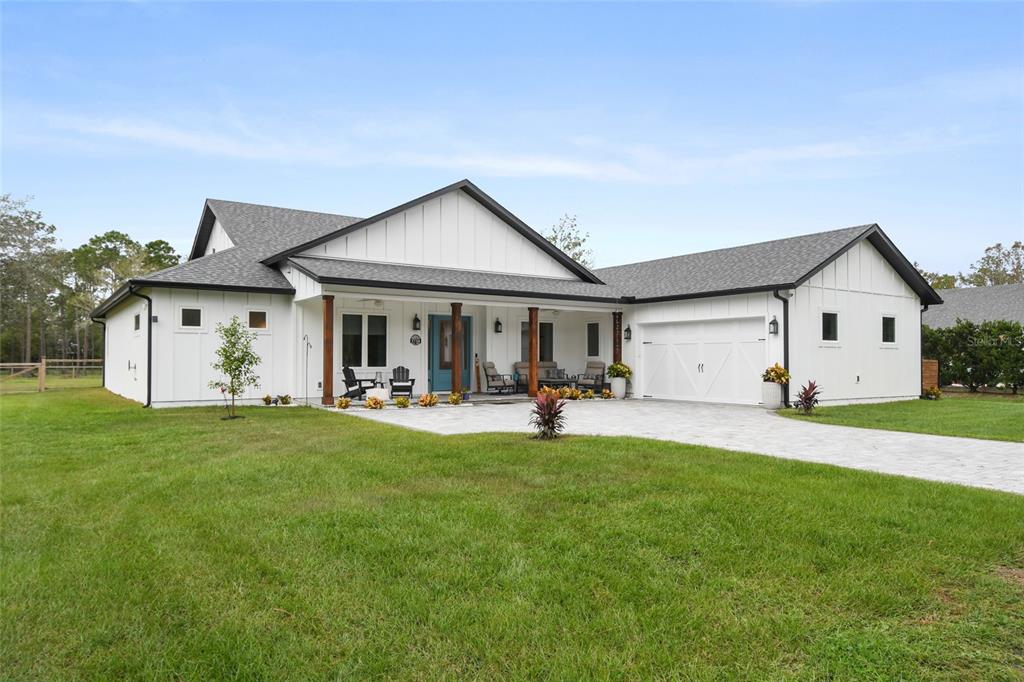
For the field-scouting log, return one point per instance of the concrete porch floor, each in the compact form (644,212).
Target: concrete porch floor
(968,461)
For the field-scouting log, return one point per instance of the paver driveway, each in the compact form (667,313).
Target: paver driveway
(982,463)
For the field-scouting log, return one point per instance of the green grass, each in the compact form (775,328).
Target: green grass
(972,415)
(306,545)
(54,382)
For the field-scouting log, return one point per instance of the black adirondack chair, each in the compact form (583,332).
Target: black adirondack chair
(401,384)
(355,388)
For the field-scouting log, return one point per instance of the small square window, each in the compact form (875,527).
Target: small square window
(830,326)
(138,321)
(257,319)
(888,330)
(191,317)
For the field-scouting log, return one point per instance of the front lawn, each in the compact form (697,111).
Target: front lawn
(973,415)
(301,544)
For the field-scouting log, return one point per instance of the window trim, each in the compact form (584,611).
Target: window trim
(137,323)
(364,336)
(831,343)
(895,330)
(202,318)
(586,340)
(258,309)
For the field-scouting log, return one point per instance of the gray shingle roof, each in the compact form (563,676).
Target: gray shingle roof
(390,275)
(257,232)
(978,304)
(754,266)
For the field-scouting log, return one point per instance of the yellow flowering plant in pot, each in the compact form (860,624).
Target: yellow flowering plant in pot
(773,379)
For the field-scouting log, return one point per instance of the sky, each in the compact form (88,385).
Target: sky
(665,128)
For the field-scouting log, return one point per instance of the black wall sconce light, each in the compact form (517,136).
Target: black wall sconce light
(773,326)
(416,322)
(627,333)
(497,325)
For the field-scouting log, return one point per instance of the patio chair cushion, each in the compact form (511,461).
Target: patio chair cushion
(495,380)
(523,368)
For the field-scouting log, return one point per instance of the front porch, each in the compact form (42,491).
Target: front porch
(447,343)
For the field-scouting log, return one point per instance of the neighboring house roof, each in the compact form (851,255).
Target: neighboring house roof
(978,304)
(266,236)
(396,276)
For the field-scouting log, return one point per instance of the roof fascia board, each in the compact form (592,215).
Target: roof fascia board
(203,230)
(714,294)
(123,291)
(477,194)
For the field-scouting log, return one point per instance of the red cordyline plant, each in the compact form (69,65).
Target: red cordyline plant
(548,414)
(807,398)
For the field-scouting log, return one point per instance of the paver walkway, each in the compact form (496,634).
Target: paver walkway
(981,463)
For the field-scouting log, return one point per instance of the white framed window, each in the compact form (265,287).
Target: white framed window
(137,323)
(829,326)
(190,318)
(545,341)
(258,319)
(889,330)
(364,340)
(593,339)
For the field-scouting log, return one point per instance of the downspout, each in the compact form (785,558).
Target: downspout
(920,351)
(785,342)
(103,367)
(149,343)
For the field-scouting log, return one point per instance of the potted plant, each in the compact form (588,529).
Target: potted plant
(466,391)
(618,372)
(773,378)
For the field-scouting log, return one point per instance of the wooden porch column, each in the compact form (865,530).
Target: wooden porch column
(534,351)
(456,347)
(617,336)
(328,381)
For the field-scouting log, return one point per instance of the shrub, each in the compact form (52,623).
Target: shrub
(343,403)
(547,390)
(931,393)
(606,394)
(619,369)
(807,398)
(402,401)
(570,393)
(374,403)
(285,399)
(427,400)
(976,355)
(588,394)
(268,399)
(776,374)
(454,398)
(548,416)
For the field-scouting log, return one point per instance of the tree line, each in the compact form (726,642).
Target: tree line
(998,265)
(975,355)
(47,292)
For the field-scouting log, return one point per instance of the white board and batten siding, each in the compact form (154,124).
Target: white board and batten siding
(219,239)
(450,231)
(862,288)
(124,350)
(704,349)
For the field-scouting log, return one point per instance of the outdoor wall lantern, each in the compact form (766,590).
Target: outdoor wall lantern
(416,322)
(773,326)
(628,333)
(497,325)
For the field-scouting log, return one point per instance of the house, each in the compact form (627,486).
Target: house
(978,304)
(453,277)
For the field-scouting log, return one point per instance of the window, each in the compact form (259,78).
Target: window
(593,339)
(364,340)
(352,340)
(830,326)
(191,317)
(138,321)
(376,340)
(888,329)
(257,319)
(547,341)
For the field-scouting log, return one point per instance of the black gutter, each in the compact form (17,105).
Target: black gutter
(103,367)
(785,343)
(149,344)
(920,350)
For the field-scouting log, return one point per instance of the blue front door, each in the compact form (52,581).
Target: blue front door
(440,351)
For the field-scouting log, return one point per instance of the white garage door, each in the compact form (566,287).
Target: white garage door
(713,360)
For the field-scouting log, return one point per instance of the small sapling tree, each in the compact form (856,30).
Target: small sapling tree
(236,360)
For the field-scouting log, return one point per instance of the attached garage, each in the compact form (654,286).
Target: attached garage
(710,360)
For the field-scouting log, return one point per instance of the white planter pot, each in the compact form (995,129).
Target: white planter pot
(771,395)
(619,387)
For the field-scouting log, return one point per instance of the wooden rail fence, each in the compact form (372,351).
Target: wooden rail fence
(10,370)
